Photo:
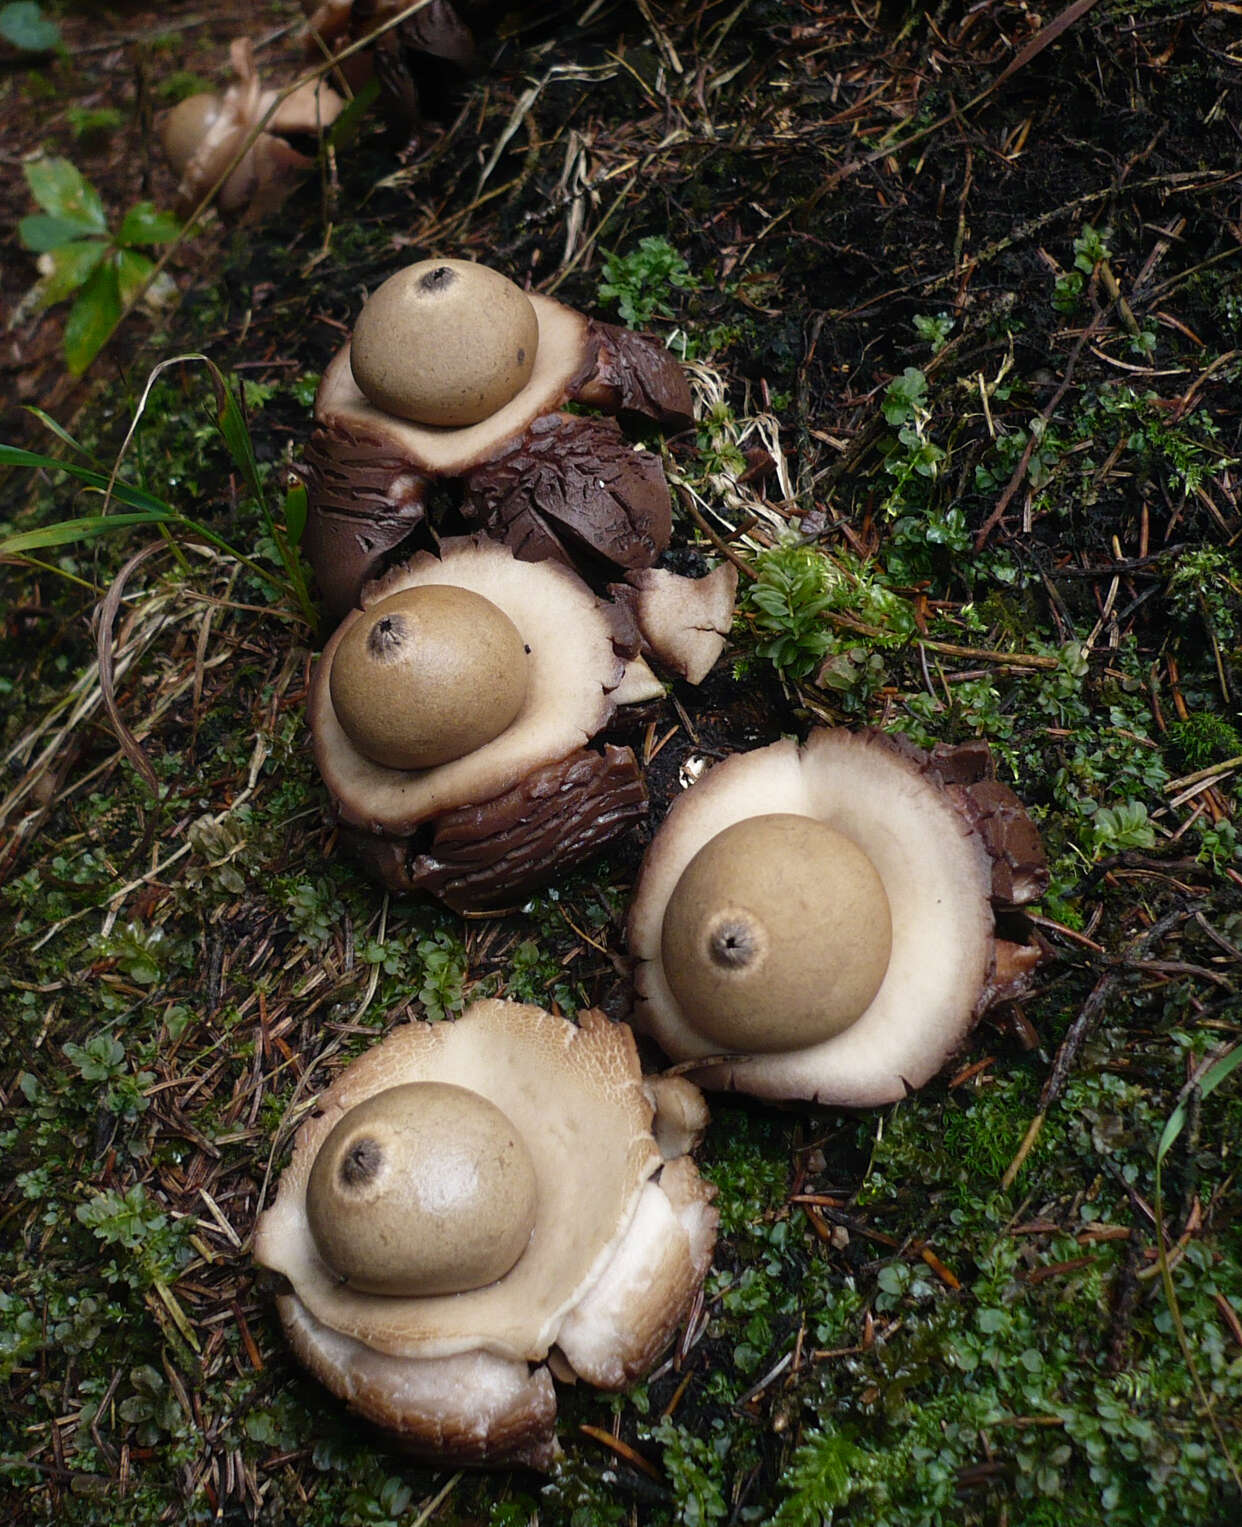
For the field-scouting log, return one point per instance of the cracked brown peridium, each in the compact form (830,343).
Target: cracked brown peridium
(547,482)
(951,849)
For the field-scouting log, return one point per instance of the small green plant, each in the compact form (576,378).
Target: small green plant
(935,328)
(912,459)
(144,508)
(641,282)
(790,595)
(102,1059)
(80,257)
(152,1409)
(695,1469)
(1116,828)
(92,122)
(905,397)
(997,467)
(444,970)
(132,1222)
(1204,738)
(828,1471)
(26,26)
(1090,248)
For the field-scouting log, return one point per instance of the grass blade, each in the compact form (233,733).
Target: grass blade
(1220,1070)
(86,528)
(12,456)
(61,432)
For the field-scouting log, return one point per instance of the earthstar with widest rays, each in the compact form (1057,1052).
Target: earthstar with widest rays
(608,1229)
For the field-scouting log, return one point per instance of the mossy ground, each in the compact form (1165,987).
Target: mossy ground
(992,347)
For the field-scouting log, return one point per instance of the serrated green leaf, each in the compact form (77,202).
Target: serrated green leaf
(72,267)
(39,232)
(146,224)
(25,26)
(61,189)
(92,318)
(133,270)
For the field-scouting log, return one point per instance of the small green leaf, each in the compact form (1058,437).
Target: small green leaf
(40,232)
(133,270)
(25,26)
(72,267)
(146,224)
(345,129)
(60,188)
(295,513)
(92,318)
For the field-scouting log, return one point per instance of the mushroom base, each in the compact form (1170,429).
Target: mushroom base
(479,1409)
(473,1408)
(486,855)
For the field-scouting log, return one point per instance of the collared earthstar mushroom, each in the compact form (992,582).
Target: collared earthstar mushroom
(456,376)
(818,922)
(451,716)
(476,1205)
(203,134)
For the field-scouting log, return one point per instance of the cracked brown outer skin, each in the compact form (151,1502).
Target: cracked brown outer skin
(1019,869)
(362,499)
(634,373)
(436,32)
(967,772)
(487,855)
(566,484)
(574,477)
(1019,865)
